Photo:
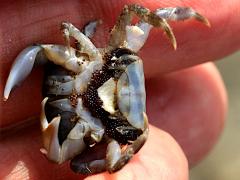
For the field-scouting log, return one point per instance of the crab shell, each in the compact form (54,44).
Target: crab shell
(128,94)
(121,119)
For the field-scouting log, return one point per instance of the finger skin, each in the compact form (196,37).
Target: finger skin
(191,105)
(196,42)
(161,157)
(31,22)
(39,22)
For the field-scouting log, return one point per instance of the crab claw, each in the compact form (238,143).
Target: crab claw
(138,34)
(165,26)
(202,19)
(21,68)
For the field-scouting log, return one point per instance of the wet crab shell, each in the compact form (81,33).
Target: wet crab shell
(126,94)
(97,94)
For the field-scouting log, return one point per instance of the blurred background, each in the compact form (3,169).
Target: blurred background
(223,162)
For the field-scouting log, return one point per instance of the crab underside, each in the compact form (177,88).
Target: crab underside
(96,96)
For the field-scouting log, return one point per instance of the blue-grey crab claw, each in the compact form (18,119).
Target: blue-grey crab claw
(21,68)
(40,54)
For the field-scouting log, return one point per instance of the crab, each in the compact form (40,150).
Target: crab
(96,95)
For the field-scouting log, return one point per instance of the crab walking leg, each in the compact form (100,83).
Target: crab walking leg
(88,30)
(97,166)
(118,34)
(87,168)
(60,55)
(138,34)
(115,157)
(57,145)
(115,161)
(58,85)
(55,85)
(87,46)
(180,14)
(63,105)
(59,88)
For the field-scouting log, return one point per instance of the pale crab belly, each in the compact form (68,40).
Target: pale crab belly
(131,94)
(68,123)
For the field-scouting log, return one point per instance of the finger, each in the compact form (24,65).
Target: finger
(28,97)
(21,158)
(196,42)
(39,23)
(191,105)
(161,156)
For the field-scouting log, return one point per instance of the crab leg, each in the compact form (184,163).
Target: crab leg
(115,158)
(63,134)
(118,34)
(87,47)
(90,28)
(59,88)
(137,40)
(116,161)
(180,14)
(64,57)
(92,167)
(63,105)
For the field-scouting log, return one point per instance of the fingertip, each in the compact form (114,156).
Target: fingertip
(191,105)
(161,156)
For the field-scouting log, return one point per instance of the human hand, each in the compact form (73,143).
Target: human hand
(189,104)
